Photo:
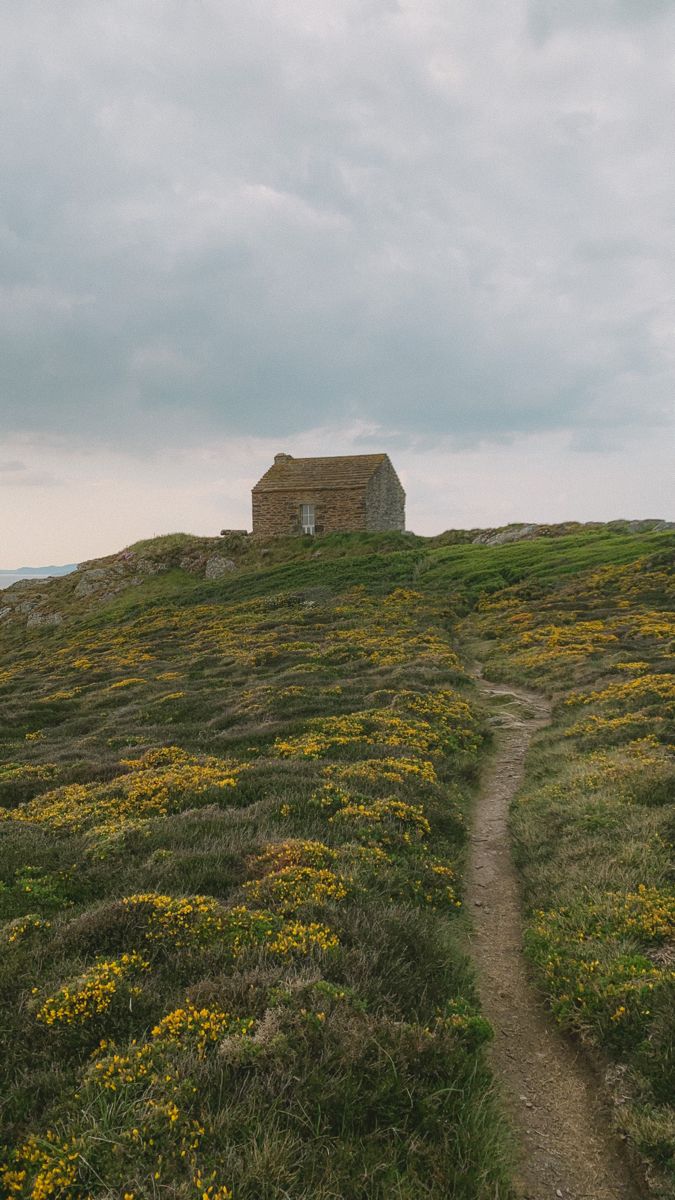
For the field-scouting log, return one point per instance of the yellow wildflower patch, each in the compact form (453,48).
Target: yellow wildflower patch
(158,783)
(288,889)
(43,1168)
(93,993)
(384,820)
(294,852)
(201,922)
(22,927)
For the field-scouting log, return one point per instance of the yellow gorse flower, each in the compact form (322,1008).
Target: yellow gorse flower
(93,993)
(160,782)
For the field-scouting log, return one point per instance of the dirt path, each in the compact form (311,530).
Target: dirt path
(567,1149)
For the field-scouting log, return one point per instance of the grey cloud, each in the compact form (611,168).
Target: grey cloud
(228,217)
(548,16)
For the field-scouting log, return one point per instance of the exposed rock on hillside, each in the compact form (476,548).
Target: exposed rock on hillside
(29,602)
(43,602)
(522,532)
(44,618)
(216,567)
(489,538)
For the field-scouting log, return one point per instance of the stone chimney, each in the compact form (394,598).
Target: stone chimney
(281,458)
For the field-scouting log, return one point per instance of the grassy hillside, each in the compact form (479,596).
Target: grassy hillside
(232,850)
(235,783)
(594,824)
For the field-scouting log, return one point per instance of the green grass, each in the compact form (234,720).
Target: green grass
(312,706)
(164,545)
(462,573)
(539,563)
(363,1071)
(593,826)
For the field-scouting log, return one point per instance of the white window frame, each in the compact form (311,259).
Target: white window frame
(308,518)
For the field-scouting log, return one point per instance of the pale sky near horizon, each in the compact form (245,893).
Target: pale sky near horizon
(232,227)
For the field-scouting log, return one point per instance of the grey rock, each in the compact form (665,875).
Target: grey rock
(505,536)
(148,567)
(192,563)
(85,588)
(217,566)
(124,571)
(21,584)
(4,612)
(44,618)
(639,526)
(90,581)
(27,606)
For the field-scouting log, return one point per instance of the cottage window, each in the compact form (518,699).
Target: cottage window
(307,518)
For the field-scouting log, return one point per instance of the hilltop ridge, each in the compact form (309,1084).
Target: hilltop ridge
(178,564)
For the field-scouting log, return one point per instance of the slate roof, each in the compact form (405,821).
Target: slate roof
(333,473)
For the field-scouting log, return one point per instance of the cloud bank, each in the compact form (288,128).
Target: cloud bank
(446,224)
(229,216)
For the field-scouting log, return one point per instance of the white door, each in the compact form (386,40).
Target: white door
(307,519)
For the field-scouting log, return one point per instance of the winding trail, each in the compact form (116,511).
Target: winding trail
(567,1148)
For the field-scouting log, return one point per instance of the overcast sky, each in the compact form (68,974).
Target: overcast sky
(440,228)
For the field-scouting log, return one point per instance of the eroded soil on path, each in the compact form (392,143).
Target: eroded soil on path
(566,1145)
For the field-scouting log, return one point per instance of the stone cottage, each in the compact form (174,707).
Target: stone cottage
(328,495)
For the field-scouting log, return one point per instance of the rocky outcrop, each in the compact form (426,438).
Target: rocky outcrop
(518,533)
(39,603)
(114,574)
(91,581)
(206,564)
(49,602)
(503,536)
(28,602)
(649,526)
(217,566)
(44,618)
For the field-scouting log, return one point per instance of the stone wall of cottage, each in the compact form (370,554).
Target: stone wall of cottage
(385,500)
(337,510)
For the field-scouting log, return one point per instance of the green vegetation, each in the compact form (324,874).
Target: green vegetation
(232,839)
(232,846)
(594,824)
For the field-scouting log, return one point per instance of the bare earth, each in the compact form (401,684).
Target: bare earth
(567,1147)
